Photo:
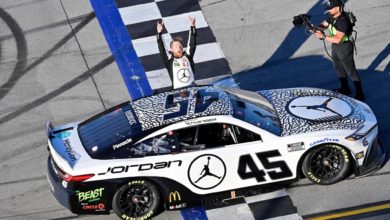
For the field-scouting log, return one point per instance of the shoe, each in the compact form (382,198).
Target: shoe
(344,89)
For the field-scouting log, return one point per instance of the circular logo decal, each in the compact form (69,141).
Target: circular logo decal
(206,171)
(63,134)
(319,108)
(183,75)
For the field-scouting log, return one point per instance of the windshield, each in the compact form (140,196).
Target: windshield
(254,109)
(103,134)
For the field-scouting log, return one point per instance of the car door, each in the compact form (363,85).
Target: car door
(193,155)
(241,159)
(218,156)
(258,159)
(207,168)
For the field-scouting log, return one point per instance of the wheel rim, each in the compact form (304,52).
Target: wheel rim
(327,162)
(136,200)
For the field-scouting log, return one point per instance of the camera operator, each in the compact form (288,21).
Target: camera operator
(340,29)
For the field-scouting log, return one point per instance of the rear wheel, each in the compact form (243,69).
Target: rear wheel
(139,199)
(327,164)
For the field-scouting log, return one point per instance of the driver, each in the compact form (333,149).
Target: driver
(226,134)
(180,64)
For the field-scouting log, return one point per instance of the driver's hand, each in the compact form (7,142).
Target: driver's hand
(160,26)
(192,20)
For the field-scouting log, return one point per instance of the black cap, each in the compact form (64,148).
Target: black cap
(333,3)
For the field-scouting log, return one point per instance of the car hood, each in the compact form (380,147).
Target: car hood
(302,110)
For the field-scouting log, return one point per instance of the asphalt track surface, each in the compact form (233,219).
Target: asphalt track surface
(55,65)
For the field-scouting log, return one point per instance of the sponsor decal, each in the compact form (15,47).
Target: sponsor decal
(116,146)
(359,155)
(68,148)
(178,206)
(174,196)
(97,207)
(325,140)
(365,142)
(130,117)
(176,63)
(143,167)
(206,171)
(295,146)
(197,122)
(91,195)
(63,134)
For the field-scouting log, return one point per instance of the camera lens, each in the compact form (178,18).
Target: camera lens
(297,20)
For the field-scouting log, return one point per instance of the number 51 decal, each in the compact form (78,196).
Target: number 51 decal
(254,172)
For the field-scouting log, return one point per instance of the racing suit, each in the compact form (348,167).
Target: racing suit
(181,70)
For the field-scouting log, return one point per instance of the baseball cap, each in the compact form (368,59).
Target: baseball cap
(333,3)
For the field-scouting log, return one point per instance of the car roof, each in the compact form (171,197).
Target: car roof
(181,104)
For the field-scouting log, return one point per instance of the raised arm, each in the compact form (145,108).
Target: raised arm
(161,47)
(191,47)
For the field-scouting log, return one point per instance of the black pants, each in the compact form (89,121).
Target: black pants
(344,63)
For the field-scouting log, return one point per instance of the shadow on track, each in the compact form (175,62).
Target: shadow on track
(280,71)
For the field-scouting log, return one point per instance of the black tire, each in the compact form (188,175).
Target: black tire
(138,199)
(327,164)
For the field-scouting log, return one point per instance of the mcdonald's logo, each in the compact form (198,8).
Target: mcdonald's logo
(174,196)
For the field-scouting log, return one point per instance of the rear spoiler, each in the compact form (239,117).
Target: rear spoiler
(61,144)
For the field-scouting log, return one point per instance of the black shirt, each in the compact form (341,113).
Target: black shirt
(341,23)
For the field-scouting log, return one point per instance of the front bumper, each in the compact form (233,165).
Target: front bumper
(373,161)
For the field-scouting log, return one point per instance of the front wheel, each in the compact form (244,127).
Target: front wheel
(138,199)
(327,164)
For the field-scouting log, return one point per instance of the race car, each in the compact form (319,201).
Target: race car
(203,144)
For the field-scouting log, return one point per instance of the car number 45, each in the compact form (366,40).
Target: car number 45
(254,172)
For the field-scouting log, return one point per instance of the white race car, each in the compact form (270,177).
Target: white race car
(195,145)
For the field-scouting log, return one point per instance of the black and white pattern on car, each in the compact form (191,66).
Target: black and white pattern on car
(140,18)
(307,110)
(166,108)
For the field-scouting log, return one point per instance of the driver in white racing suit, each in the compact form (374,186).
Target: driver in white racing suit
(180,64)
